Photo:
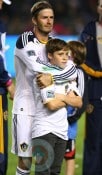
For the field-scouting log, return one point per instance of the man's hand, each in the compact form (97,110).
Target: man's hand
(44,80)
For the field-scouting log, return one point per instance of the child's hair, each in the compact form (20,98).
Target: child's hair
(56,44)
(38,6)
(78,50)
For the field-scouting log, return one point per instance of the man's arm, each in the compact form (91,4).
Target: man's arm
(28,56)
(68,74)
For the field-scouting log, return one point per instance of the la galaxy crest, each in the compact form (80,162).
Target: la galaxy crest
(23,147)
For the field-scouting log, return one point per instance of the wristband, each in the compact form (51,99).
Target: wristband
(52,80)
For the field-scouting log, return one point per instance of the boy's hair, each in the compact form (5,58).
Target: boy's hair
(78,50)
(56,44)
(38,6)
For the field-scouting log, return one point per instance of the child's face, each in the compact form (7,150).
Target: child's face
(59,58)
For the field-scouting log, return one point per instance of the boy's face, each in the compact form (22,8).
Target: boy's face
(59,58)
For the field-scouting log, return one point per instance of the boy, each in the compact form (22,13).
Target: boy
(50,121)
(77,53)
(57,52)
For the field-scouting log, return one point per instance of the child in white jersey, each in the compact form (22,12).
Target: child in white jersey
(57,52)
(50,121)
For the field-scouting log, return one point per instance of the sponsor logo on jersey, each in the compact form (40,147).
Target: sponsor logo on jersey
(24,147)
(31,53)
(50,94)
(21,109)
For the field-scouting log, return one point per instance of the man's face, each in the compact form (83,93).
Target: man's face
(45,20)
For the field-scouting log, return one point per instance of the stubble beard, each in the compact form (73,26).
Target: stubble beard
(44,33)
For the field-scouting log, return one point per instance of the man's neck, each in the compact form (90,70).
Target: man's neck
(42,37)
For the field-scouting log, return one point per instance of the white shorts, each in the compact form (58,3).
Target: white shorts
(22,135)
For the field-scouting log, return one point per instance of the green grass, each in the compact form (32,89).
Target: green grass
(79,148)
(12,159)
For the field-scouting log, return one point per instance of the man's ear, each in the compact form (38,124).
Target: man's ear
(34,21)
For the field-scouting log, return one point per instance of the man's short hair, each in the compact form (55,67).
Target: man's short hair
(38,6)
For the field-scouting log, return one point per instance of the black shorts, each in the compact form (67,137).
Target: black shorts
(70,150)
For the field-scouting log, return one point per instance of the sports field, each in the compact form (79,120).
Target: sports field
(79,149)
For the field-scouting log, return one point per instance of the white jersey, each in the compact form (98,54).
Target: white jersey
(24,102)
(60,87)
(28,50)
(46,121)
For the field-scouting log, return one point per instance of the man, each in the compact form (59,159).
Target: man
(92,37)
(24,104)
(29,45)
(6,85)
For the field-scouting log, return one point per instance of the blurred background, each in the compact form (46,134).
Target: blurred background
(70,18)
(70,15)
